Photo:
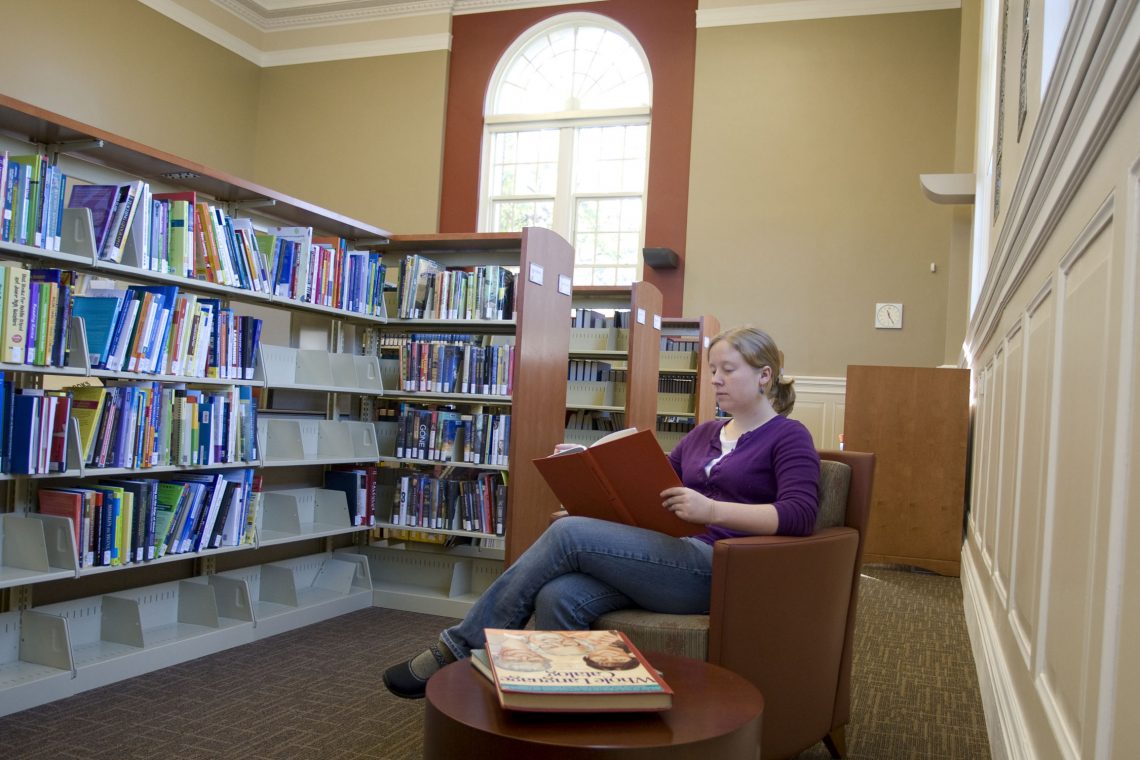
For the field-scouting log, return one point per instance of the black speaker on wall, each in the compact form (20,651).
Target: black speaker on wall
(661,258)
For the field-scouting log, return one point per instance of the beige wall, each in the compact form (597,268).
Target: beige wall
(119,66)
(1051,567)
(362,137)
(805,207)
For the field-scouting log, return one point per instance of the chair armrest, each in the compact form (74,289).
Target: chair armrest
(778,615)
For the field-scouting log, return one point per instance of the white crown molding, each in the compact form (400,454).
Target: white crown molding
(316,54)
(268,16)
(465,7)
(423,43)
(804,10)
(316,14)
(210,31)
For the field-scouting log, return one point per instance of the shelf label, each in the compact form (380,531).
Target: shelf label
(641,316)
(536,274)
(564,284)
(656,321)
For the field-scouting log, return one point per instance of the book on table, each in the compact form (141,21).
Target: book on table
(618,478)
(571,671)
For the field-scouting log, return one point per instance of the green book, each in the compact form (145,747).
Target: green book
(170,498)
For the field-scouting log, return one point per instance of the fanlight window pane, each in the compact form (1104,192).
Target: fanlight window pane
(610,159)
(512,216)
(606,240)
(570,69)
(524,163)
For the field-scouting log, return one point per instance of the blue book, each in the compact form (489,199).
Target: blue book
(99,313)
(26,407)
(195,500)
(6,388)
(121,332)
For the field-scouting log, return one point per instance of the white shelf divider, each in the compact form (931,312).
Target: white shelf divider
(289,515)
(36,663)
(36,548)
(304,590)
(312,442)
(311,369)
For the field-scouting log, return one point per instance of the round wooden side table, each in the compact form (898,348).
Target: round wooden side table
(716,714)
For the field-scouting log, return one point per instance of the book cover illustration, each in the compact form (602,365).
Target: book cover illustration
(573,671)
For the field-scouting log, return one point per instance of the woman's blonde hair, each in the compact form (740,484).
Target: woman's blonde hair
(760,351)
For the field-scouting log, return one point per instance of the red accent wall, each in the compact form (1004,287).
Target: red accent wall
(667,31)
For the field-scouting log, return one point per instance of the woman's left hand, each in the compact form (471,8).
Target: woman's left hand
(689,505)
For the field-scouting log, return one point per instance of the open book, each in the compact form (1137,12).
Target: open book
(619,478)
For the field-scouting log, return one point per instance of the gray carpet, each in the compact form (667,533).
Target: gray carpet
(316,692)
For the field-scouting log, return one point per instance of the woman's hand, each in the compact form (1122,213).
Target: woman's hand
(689,505)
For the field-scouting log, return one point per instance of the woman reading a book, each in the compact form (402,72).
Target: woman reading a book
(756,473)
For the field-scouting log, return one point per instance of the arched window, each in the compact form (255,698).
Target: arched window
(566,142)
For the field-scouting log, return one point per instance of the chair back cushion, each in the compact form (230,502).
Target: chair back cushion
(834,483)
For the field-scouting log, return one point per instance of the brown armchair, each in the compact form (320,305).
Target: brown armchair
(782,614)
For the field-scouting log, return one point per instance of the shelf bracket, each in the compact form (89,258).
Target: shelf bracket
(73,147)
(234,206)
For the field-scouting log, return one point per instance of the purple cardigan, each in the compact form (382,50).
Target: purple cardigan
(774,464)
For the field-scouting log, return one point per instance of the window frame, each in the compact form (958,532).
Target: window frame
(565,200)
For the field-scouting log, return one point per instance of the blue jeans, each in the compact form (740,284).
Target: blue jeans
(581,568)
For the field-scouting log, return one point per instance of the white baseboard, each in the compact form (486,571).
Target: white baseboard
(1005,723)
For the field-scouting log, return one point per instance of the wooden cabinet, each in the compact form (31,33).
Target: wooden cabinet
(916,421)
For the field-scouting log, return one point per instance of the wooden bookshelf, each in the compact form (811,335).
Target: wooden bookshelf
(544,265)
(641,351)
(67,628)
(700,329)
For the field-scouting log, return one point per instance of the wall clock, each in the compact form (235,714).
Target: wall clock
(888,316)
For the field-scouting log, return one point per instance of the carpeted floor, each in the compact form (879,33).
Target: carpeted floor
(316,692)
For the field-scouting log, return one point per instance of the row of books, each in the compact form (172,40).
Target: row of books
(591,318)
(149,424)
(385,339)
(676,384)
(428,290)
(451,502)
(130,521)
(589,369)
(446,435)
(322,271)
(33,429)
(36,306)
(668,424)
(588,419)
(360,487)
(177,233)
(680,343)
(446,367)
(31,194)
(157,329)
(140,328)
